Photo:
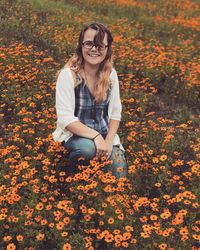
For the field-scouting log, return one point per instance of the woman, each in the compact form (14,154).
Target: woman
(88,102)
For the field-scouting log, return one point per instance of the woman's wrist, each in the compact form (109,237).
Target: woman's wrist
(95,136)
(109,139)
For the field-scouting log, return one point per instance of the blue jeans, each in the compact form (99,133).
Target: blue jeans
(85,148)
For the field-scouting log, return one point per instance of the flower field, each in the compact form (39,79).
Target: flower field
(156,56)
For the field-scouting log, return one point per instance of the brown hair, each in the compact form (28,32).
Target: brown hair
(76,62)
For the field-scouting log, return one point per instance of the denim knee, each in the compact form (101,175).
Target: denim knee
(80,147)
(119,165)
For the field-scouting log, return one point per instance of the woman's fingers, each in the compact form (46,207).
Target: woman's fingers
(102,152)
(101,147)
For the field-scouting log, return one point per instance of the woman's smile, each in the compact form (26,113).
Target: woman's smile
(93,55)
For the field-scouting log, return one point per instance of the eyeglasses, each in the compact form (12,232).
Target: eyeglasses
(90,45)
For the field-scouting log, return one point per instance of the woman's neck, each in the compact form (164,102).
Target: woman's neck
(91,70)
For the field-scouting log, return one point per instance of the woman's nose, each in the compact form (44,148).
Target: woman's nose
(94,48)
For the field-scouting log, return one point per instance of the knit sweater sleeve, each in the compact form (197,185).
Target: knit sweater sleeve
(65,98)
(116,108)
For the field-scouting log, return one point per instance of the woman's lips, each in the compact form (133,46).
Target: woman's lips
(93,55)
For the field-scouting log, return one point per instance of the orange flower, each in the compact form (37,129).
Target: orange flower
(3,216)
(126,236)
(43,222)
(109,238)
(111,221)
(7,238)
(67,246)
(133,241)
(40,236)
(153,217)
(66,220)
(163,157)
(64,234)
(125,244)
(39,206)
(118,238)
(155,160)
(166,214)
(162,246)
(117,38)
(11,246)
(120,216)
(20,238)
(143,219)
(128,228)
(183,231)
(87,217)
(60,225)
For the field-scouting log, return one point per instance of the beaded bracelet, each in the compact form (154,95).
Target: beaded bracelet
(95,136)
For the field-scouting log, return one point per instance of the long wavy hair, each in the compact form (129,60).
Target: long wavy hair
(76,62)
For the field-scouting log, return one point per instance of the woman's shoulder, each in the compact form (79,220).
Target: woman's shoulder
(113,77)
(113,74)
(71,76)
(66,74)
(65,71)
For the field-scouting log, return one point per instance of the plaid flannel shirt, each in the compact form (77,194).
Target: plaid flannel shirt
(88,111)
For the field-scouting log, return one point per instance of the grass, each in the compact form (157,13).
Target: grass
(156,56)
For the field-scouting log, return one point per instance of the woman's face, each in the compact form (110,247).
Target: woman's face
(93,56)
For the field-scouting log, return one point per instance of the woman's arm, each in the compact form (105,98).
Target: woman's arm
(112,130)
(115,115)
(78,128)
(65,100)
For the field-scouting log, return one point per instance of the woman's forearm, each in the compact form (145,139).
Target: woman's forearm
(78,128)
(112,130)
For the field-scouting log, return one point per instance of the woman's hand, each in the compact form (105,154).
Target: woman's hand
(102,148)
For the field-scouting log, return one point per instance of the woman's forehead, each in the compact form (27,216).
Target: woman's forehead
(90,34)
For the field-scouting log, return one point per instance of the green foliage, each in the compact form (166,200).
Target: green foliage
(157,62)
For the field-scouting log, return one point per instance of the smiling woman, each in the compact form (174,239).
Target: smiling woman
(88,103)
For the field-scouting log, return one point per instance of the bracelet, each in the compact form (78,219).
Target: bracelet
(95,136)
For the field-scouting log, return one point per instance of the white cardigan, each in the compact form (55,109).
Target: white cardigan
(65,104)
